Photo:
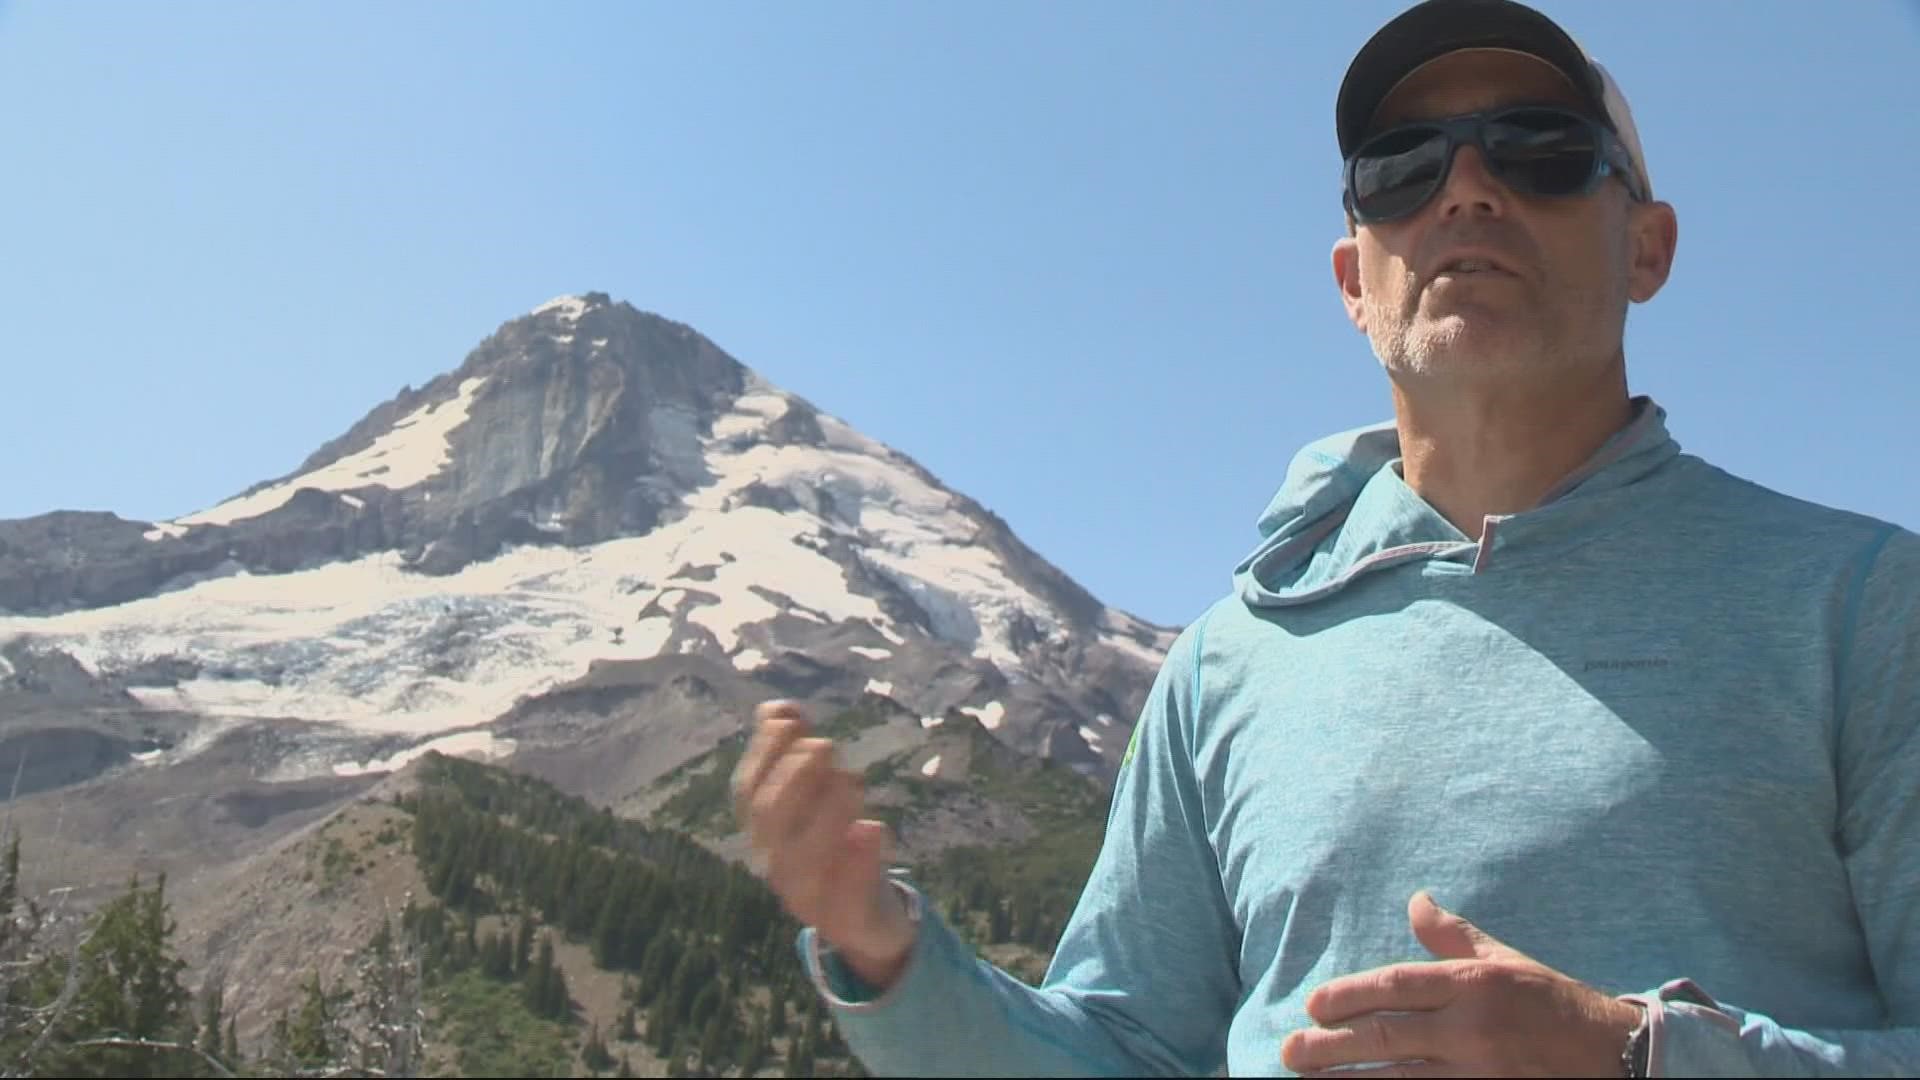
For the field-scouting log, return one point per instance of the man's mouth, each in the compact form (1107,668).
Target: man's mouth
(1467,266)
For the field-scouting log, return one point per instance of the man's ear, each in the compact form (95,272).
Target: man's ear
(1346,275)
(1654,233)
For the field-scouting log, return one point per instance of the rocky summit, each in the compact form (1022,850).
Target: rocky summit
(586,550)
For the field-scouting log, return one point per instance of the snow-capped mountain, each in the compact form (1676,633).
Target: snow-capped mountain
(596,497)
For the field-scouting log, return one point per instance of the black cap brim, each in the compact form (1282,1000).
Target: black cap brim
(1436,27)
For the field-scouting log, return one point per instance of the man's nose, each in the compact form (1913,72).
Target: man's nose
(1471,189)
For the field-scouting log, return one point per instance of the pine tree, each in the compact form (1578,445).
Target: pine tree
(594,1053)
(231,1054)
(753,1054)
(210,1019)
(523,944)
(496,956)
(695,969)
(663,955)
(9,886)
(559,1000)
(627,1031)
(777,1015)
(800,1055)
(310,1041)
(467,953)
(660,1024)
(609,948)
(713,1042)
(545,986)
(128,984)
(705,1004)
(626,1067)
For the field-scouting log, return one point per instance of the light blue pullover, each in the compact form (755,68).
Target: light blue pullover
(1661,733)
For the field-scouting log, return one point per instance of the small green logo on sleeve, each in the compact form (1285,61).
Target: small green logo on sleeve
(1132,743)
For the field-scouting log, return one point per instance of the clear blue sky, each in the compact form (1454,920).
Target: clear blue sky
(1073,257)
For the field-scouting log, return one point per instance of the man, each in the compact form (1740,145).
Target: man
(1525,744)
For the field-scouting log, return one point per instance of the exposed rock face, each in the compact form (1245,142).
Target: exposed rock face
(576,424)
(592,485)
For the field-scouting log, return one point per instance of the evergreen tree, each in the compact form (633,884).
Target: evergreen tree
(626,1067)
(559,1002)
(636,936)
(800,1055)
(663,955)
(594,1053)
(523,944)
(310,1040)
(278,1036)
(660,1024)
(9,887)
(695,969)
(627,1031)
(777,1015)
(609,947)
(211,1003)
(705,1004)
(753,1054)
(544,988)
(713,1042)
(999,923)
(128,985)
(494,958)
(469,931)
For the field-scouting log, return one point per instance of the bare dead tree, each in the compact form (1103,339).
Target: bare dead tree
(390,1003)
(27,939)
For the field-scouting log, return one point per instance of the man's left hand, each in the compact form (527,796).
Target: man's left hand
(1482,1009)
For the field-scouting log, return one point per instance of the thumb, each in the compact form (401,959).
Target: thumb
(1450,937)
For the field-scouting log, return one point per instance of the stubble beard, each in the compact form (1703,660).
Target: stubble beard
(1470,341)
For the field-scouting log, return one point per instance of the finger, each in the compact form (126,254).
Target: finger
(814,860)
(780,805)
(1375,1037)
(778,725)
(1421,985)
(1404,1069)
(1451,937)
(872,843)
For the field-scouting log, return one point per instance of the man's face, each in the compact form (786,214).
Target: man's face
(1575,261)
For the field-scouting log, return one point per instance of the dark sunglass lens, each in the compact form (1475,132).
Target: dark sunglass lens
(1542,151)
(1397,172)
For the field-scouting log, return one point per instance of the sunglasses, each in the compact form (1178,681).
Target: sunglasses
(1533,149)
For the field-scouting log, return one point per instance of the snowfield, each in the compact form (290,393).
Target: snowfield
(371,646)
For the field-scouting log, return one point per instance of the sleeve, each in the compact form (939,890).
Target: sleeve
(1145,978)
(1879,833)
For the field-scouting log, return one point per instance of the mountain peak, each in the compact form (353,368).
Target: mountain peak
(595,483)
(569,307)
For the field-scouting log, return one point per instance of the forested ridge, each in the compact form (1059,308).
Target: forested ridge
(466,980)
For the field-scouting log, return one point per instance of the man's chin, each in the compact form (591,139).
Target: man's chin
(1459,347)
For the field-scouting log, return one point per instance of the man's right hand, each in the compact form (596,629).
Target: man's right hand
(827,865)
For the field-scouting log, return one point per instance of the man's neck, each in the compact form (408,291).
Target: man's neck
(1475,451)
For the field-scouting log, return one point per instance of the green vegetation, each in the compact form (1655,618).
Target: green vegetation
(107,1001)
(705,803)
(496,1033)
(514,868)
(1018,893)
(706,946)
